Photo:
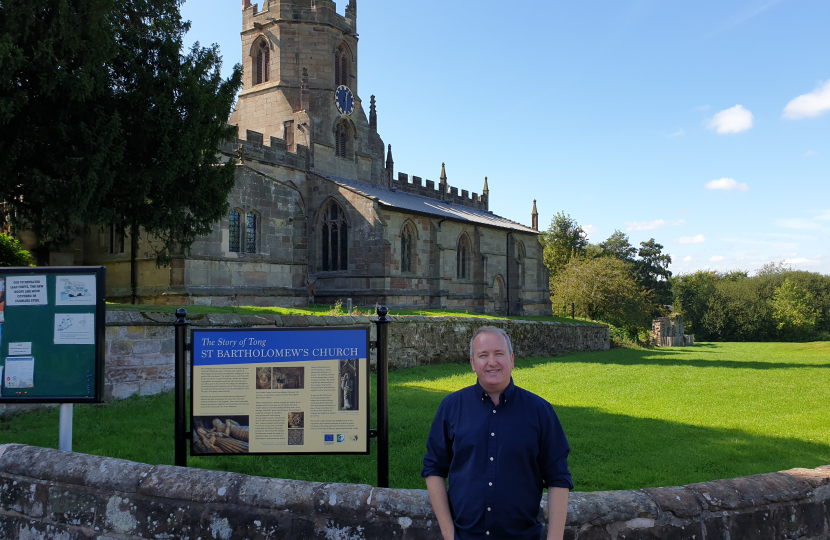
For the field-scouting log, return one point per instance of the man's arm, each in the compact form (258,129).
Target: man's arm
(557,512)
(437,488)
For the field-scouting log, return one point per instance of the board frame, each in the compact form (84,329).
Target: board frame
(100,330)
(366,385)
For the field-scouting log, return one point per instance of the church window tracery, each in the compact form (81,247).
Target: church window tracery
(335,238)
(251,233)
(462,257)
(262,62)
(407,239)
(234,231)
(243,231)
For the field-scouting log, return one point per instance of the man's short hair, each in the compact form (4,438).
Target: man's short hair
(491,330)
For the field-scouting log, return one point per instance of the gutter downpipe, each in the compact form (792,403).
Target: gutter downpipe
(507,272)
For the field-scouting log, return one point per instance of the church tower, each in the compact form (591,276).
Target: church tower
(300,84)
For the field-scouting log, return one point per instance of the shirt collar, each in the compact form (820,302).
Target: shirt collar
(506,396)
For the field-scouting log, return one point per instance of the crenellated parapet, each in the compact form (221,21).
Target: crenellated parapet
(442,192)
(253,147)
(323,12)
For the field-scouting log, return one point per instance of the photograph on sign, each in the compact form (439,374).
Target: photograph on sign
(20,372)
(26,291)
(272,391)
(78,290)
(74,329)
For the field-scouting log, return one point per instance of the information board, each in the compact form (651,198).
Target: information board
(52,334)
(280,391)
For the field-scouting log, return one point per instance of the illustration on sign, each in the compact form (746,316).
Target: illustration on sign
(280,391)
(20,372)
(77,290)
(74,328)
(26,290)
(2,300)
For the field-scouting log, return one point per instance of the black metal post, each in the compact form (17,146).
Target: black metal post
(181,325)
(383,397)
(573,310)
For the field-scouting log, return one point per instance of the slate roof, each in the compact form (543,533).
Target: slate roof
(410,202)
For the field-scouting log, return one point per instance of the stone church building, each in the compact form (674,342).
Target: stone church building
(318,213)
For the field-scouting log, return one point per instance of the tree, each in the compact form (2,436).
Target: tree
(653,270)
(58,140)
(603,289)
(104,120)
(619,246)
(174,109)
(563,240)
(11,254)
(792,308)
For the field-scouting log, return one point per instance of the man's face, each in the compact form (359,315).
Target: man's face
(492,361)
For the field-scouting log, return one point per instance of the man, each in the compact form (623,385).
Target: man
(500,445)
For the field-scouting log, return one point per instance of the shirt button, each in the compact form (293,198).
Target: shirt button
(491,459)
(491,484)
(488,508)
(494,411)
(488,533)
(492,434)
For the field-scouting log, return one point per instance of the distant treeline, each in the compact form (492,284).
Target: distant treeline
(777,304)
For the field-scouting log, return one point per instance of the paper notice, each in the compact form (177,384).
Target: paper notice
(20,372)
(74,329)
(75,290)
(26,290)
(20,349)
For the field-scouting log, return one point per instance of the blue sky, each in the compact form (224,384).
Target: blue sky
(705,125)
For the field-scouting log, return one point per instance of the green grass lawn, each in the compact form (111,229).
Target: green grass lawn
(634,418)
(319,309)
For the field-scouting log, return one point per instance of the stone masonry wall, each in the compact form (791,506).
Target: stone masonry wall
(140,346)
(51,495)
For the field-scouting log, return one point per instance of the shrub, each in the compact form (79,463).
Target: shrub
(11,254)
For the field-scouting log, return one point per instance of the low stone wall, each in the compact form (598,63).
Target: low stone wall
(52,495)
(140,346)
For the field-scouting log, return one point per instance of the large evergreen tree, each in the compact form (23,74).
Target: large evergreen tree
(104,119)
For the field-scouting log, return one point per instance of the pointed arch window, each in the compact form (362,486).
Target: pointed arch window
(341,65)
(462,257)
(234,231)
(407,240)
(250,232)
(262,63)
(341,140)
(335,238)
(521,263)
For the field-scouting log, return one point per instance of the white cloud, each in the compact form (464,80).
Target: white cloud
(652,225)
(803,261)
(824,216)
(734,120)
(688,258)
(727,184)
(809,153)
(717,258)
(699,239)
(677,134)
(591,231)
(815,103)
(703,108)
(799,223)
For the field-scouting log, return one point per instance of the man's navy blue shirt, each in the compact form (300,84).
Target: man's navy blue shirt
(498,460)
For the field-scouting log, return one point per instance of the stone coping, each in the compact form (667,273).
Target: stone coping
(143,318)
(796,500)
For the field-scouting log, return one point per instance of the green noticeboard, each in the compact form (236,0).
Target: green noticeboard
(52,334)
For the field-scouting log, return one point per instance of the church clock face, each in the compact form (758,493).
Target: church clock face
(344,99)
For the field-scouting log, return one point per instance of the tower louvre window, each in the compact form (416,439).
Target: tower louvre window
(341,66)
(262,63)
(335,238)
(341,140)
(289,135)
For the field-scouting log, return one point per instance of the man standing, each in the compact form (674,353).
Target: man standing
(500,445)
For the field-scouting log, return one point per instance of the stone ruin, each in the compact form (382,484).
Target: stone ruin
(669,332)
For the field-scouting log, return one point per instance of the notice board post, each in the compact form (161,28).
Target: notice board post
(383,397)
(180,425)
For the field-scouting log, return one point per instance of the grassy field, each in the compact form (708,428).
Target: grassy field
(634,418)
(319,309)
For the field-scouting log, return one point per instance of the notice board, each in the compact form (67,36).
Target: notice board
(52,334)
(280,391)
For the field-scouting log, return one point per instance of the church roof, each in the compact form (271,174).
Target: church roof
(410,202)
